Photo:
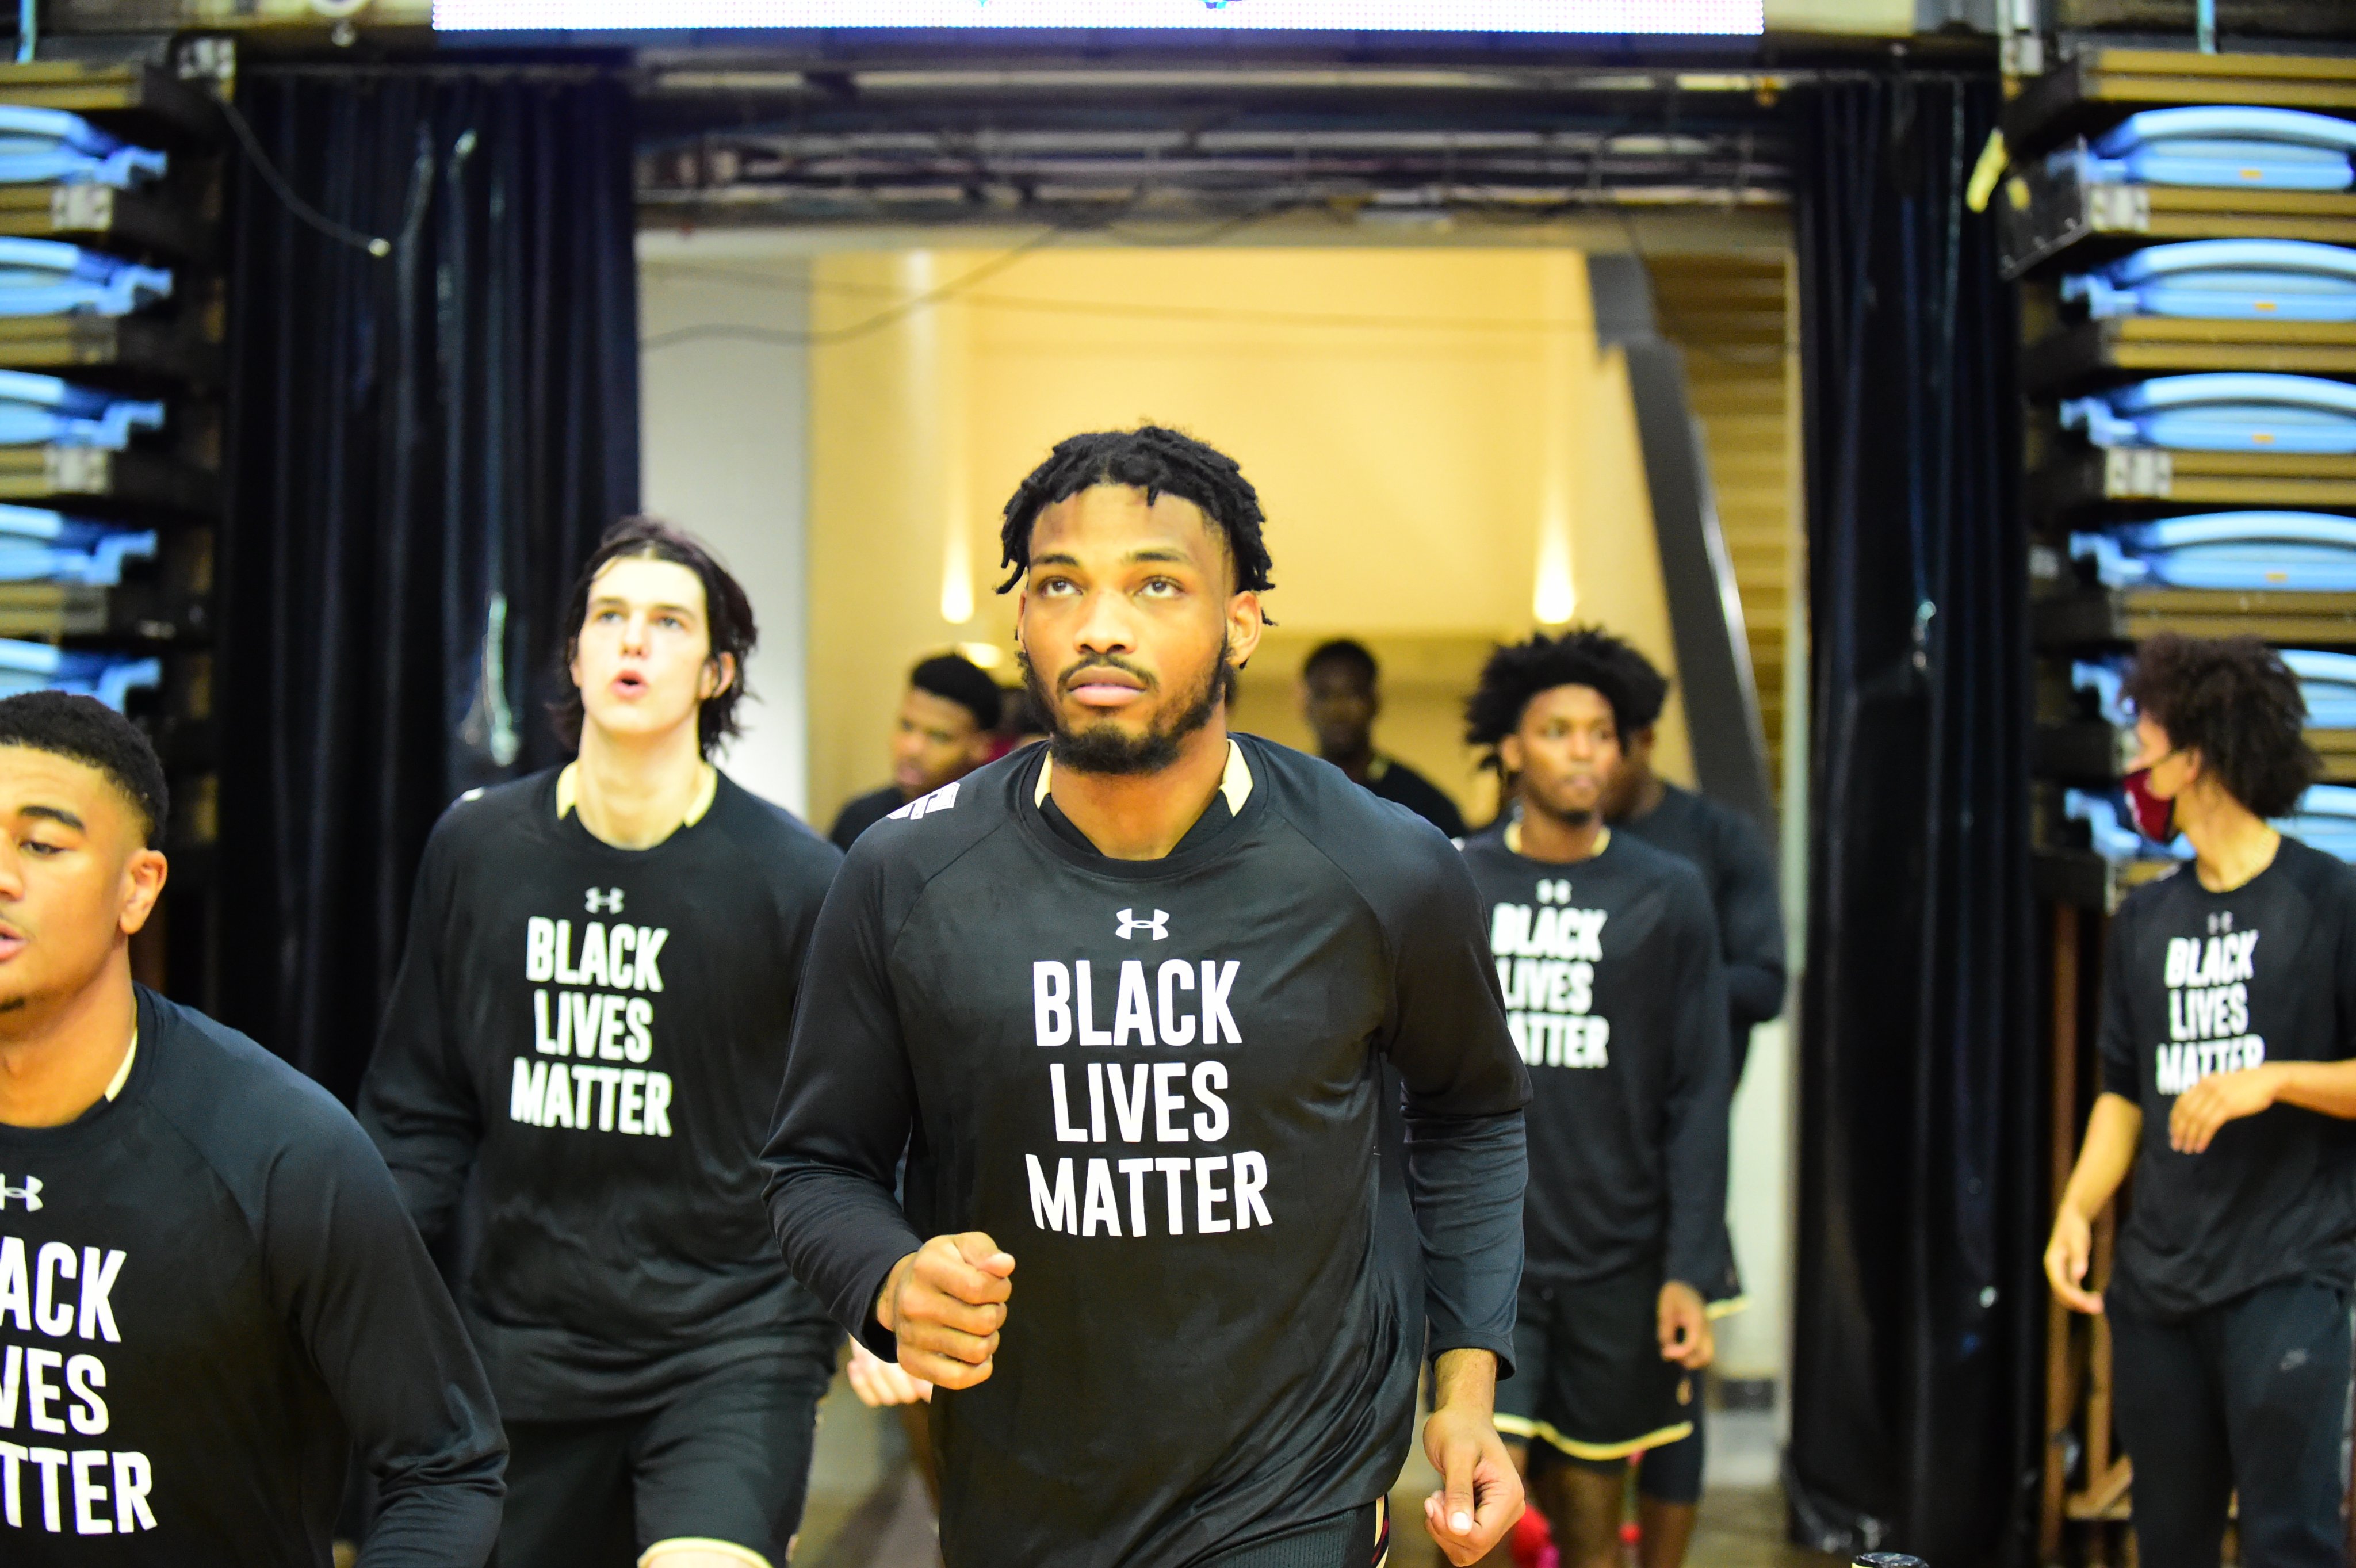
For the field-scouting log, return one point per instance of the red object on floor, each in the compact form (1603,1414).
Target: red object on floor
(1532,1542)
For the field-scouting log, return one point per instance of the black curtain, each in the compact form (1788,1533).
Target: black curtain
(1918,1337)
(422,447)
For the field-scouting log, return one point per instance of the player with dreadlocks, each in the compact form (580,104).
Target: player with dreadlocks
(1608,954)
(1126,1003)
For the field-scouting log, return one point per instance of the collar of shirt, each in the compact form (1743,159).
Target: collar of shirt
(123,1073)
(568,794)
(1235,788)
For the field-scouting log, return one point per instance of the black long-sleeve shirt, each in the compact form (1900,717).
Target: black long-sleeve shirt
(1740,873)
(1617,999)
(1159,1084)
(598,1034)
(2198,983)
(209,1299)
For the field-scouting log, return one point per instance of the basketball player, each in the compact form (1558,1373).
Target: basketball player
(1740,873)
(590,1025)
(210,1297)
(1341,692)
(2228,1017)
(947,728)
(1126,1001)
(1608,953)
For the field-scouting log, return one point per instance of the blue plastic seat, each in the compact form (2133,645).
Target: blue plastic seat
(2222,411)
(37,410)
(2220,145)
(51,146)
(2236,551)
(111,678)
(47,277)
(2326,681)
(2256,280)
(38,545)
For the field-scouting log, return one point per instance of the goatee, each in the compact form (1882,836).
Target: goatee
(1105,747)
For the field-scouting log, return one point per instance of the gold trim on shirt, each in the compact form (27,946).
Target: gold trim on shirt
(1234,783)
(707,789)
(1513,840)
(123,1073)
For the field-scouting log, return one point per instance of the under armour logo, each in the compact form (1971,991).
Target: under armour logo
(1553,891)
(1130,924)
(608,902)
(30,1193)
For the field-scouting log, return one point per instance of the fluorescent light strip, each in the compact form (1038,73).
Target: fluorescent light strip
(1705,16)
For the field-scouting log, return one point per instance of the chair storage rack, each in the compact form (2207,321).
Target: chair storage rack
(2056,221)
(166,480)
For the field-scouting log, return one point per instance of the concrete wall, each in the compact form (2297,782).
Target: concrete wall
(725,433)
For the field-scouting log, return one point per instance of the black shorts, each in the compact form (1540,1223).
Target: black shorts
(1589,1380)
(1360,1538)
(724,1462)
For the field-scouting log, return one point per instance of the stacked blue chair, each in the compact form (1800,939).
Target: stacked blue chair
(2309,552)
(2222,411)
(2222,280)
(2326,681)
(48,277)
(50,146)
(42,546)
(37,410)
(109,677)
(2220,145)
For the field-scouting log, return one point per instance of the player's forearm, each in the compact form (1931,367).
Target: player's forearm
(2109,1151)
(842,1235)
(1755,990)
(450,1523)
(1465,1379)
(1465,1178)
(2329,1088)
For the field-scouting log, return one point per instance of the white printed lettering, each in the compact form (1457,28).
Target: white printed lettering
(1084,1006)
(1207,1196)
(1051,1003)
(1177,1027)
(1053,1209)
(1131,1013)
(539,949)
(1210,1125)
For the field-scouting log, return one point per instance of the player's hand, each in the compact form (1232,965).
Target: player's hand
(1685,1336)
(1481,1492)
(945,1302)
(880,1382)
(2216,1100)
(2066,1257)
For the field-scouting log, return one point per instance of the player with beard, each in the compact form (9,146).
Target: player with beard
(583,1040)
(1608,955)
(211,1300)
(1126,1003)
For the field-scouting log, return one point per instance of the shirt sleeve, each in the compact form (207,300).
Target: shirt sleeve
(352,1278)
(1750,925)
(845,1114)
(1701,1069)
(2117,1042)
(418,1100)
(1465,1089)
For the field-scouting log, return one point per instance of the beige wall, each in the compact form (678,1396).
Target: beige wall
(1419,422)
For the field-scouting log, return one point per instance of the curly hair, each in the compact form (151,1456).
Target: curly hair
(1158,461)
(2235,702)
(727,613)
(1583,656)
(86,730)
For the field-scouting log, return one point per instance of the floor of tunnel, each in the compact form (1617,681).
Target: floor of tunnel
(867,1509)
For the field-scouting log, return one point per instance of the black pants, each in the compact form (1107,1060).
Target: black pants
(2249,1397)
(726,1458)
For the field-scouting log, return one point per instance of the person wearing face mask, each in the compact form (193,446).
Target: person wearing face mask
(583,1042)
(1608,952)
(2228,1020)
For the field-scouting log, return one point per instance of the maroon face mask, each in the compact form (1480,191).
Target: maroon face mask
(2154,818)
